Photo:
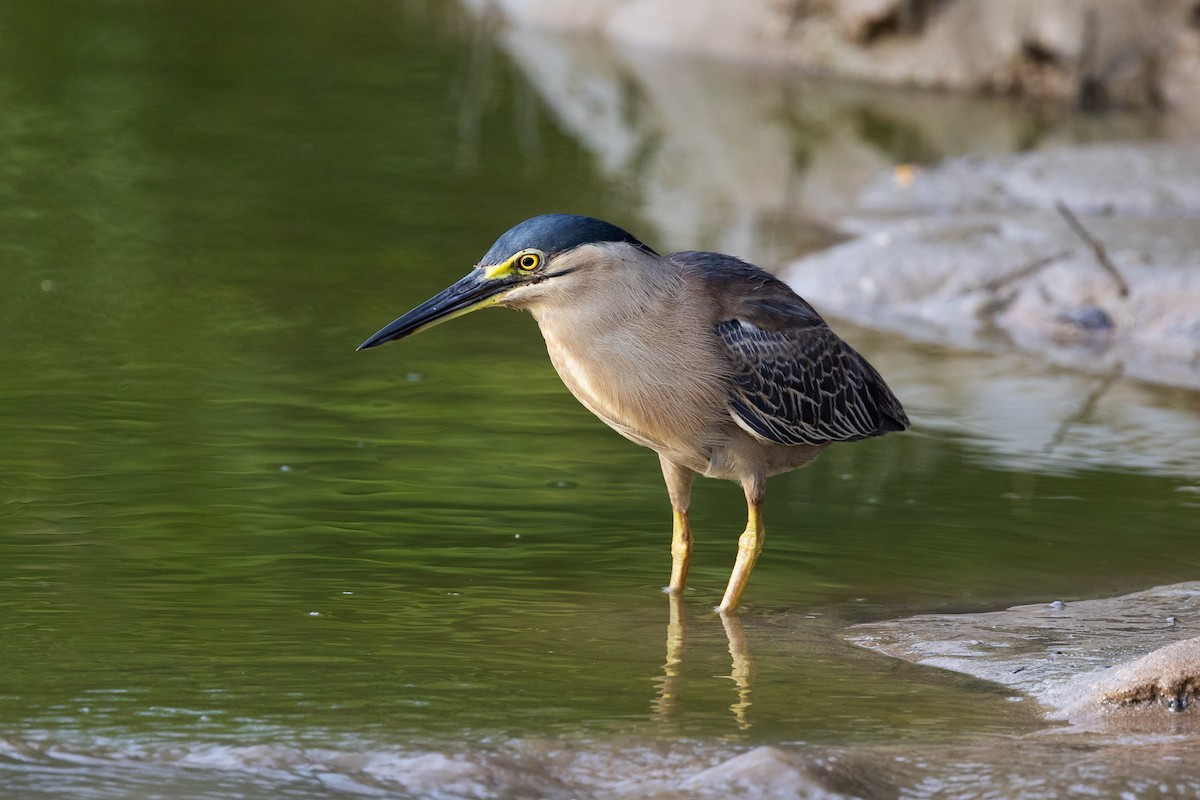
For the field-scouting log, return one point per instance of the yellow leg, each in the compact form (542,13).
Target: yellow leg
(750,545)
(679,488)
(681,551)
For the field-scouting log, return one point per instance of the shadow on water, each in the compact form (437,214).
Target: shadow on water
(240,560)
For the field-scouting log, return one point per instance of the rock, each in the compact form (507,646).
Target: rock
(1112,663)
(1167,678)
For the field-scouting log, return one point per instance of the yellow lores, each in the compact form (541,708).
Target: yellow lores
(711,362)
(526,261)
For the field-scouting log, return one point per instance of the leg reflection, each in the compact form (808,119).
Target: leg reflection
(741,671)
(668,685)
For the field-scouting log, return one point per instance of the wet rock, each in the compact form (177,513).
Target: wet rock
(1108,663)
(1168,678)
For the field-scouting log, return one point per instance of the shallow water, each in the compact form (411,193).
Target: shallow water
(238,559)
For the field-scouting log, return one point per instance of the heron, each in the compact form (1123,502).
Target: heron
(710,361)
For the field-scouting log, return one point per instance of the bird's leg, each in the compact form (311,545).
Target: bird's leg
(681,551)
(679,487)
(750,544)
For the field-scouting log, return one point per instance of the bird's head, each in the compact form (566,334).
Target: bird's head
(537,254)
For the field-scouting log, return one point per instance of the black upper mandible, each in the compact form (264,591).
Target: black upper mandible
(556,233)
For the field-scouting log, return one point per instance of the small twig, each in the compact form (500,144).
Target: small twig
(1097,249)
(1024,272)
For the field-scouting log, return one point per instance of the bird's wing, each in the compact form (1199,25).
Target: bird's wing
(805,386)
(794,381)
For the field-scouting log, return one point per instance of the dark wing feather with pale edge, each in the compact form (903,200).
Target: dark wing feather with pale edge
(794,382)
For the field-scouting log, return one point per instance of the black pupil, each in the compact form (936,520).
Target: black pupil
(528,262)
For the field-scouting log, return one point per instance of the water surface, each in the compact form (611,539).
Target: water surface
(238,559)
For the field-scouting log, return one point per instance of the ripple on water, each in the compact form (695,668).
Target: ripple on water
(1045,766)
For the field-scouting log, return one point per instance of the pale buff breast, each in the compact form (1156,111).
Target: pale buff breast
(658,384)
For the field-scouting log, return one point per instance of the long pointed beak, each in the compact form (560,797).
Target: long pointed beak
(473,292)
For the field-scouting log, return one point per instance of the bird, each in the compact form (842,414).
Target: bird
(710,361)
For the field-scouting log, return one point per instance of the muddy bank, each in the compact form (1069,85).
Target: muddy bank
(978,252)
(1129,663)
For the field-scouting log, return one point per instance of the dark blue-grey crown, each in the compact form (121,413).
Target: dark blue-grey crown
(556,233)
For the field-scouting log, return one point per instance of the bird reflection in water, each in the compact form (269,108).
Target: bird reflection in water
(741,669)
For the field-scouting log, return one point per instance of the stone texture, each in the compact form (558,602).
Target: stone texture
(1167,678)
(1120,664)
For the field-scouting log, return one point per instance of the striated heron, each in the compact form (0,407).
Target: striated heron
(711,362)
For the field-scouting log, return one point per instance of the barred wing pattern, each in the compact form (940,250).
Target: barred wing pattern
(804,385)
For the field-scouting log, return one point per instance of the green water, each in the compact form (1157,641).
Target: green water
(219,525)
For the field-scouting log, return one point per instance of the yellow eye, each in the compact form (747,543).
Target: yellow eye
(528,262)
